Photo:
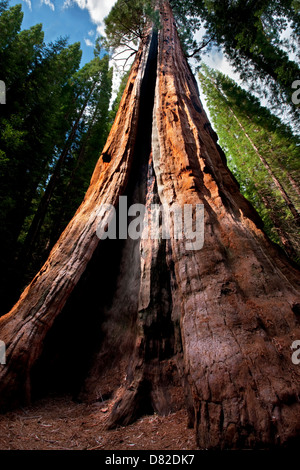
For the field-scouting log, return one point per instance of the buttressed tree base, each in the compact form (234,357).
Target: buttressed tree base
(147,321)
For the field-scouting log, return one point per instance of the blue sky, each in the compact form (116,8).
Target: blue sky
(80,20)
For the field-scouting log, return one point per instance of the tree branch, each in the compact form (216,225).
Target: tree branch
(203,45)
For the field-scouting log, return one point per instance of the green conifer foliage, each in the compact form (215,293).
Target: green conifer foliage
(263,154)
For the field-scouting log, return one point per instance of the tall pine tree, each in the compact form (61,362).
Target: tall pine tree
(263,153)
(32,123)
(251,35)
(71,173)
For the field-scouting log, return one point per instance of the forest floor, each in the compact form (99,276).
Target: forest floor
(58,423)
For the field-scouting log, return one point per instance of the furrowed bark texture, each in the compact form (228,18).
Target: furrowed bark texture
(24,328)
(159,325)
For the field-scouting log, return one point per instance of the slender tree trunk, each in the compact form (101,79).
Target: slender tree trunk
(266,165)
(81,154)
(277,183)
(79,161)
(277,223)
(283,236)
(40,214)
(294,184)
(150,321)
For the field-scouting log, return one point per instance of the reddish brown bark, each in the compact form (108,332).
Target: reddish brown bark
(24,328)
(209,329)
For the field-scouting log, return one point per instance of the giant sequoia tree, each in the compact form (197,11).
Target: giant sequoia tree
(154,323)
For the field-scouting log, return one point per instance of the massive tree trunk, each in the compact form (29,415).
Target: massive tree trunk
(155,324)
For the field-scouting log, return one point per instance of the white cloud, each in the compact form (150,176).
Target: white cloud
(67,4)
(91,33)
(49,4)
(28,3)
(218,61)
(88,42)
(98,10)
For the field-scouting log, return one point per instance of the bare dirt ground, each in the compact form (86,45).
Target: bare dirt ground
(58,423)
